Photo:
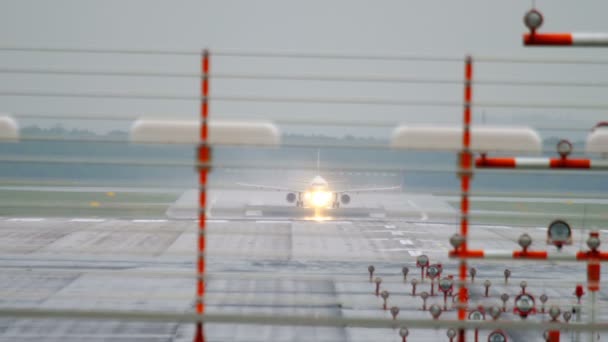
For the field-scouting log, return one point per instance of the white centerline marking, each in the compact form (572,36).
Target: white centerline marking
(26,219)
(393,232)
(389,226)
(148,221)
(87,220)
(215,221)
(415,253)
(253,213)
(406,242)
(494,227)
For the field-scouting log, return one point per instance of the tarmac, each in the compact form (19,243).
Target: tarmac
(261,261)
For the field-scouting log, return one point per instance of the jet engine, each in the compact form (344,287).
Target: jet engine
(291,197)
(345,199)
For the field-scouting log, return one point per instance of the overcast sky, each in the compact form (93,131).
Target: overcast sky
(438,28)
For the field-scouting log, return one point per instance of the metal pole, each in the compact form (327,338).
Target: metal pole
(204,158)
(593,298)
(579,308)
(465,176)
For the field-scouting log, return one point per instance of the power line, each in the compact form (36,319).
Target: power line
(293,99)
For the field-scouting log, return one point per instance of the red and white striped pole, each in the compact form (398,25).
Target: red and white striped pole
(204,158)
(466,169)
(511,255)
(566,39)
(540,163)
(534,20)
(594,258)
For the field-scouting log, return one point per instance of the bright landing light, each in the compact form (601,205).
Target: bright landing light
(319,199)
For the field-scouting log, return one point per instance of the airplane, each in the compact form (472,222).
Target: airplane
(318,194)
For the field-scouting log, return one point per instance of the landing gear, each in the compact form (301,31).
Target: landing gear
(335,204)
(299,204)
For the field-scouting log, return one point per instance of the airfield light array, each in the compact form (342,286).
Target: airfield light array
(592,257)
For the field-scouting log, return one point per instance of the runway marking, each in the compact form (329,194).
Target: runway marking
(389,226)
(26,219)
(393,232)
(216,221)
(253,213)
(541,228)
(271,221)
(423,215)
(406,242)
(428,224)
(87,220)
(148,221)
(379,239)
(414,252)
(494,227)
(377,215)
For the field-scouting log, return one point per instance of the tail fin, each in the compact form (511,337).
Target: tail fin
(318,161)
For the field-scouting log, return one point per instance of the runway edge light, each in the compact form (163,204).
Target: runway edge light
(9,129)
(449,138)
(221,132)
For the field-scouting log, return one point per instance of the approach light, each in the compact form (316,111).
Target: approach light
(559,233)
(533,20)
(433,271)
(494,311)
(451,333)
(593,242)
(446,284)
(435,311)
(525,241)
(457,240)
(554,312)
(524,305)
(497,336)
(422,261)
(564,148)
(477,315)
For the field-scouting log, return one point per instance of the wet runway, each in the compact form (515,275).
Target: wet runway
(256,265)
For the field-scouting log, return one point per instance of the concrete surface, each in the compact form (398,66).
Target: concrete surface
(257,264)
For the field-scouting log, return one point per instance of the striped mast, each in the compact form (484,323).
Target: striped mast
(203,158)
(465,172)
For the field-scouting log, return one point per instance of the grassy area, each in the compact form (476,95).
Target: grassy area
(538,213)
(41,203)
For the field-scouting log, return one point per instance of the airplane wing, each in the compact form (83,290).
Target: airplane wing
(268,187)
(390,188)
